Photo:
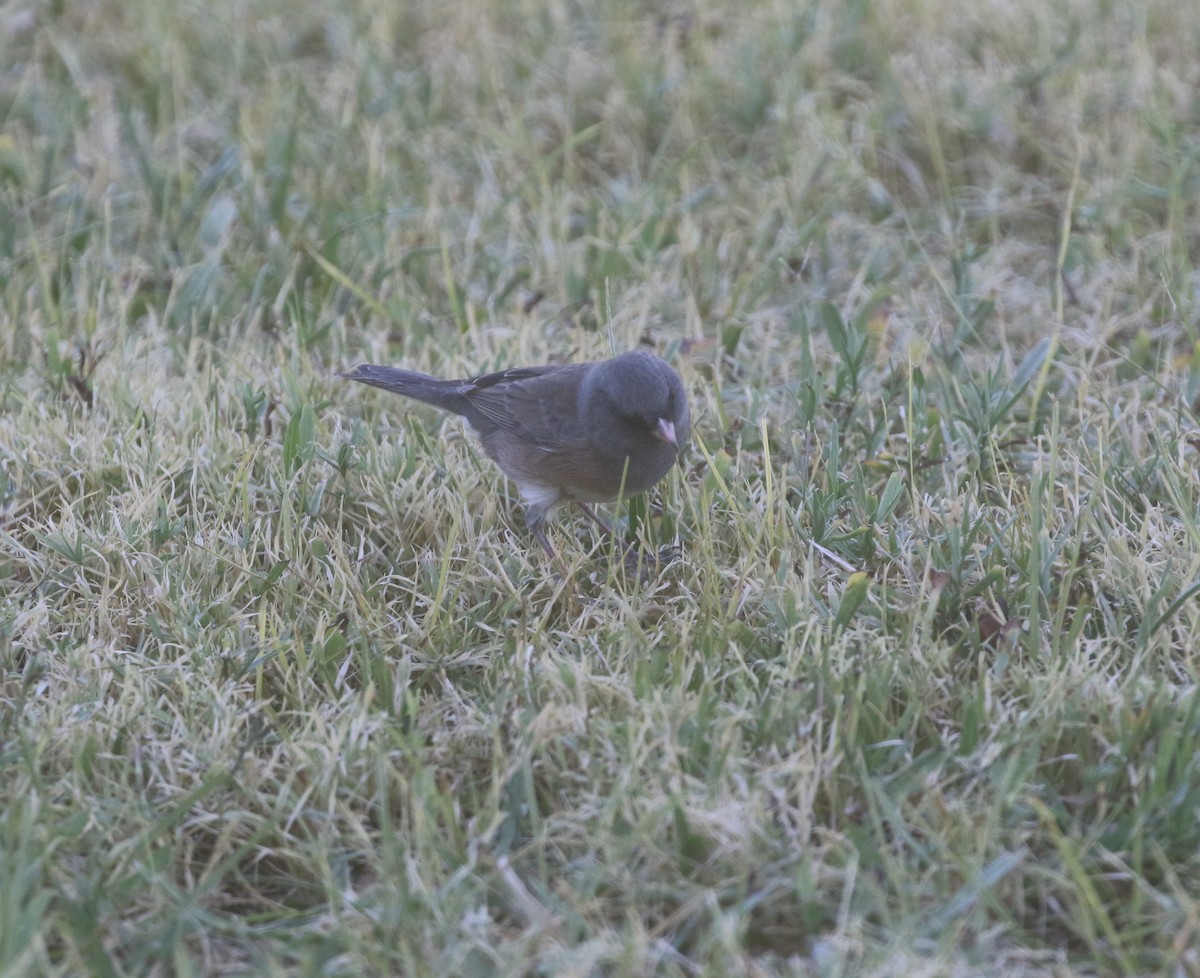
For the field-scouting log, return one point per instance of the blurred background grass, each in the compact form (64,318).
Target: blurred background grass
(282,688)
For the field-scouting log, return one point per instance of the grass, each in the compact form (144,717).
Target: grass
(285,688)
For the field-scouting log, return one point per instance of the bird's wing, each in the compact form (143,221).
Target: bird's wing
(539,405)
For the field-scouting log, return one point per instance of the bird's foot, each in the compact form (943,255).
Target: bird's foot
(641,564)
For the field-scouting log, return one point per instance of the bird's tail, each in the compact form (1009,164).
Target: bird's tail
(449,395)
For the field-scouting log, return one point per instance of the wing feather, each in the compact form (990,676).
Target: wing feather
(538,405)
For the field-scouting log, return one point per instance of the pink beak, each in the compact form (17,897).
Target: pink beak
(665,431)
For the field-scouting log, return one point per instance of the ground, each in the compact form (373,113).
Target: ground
(287,689)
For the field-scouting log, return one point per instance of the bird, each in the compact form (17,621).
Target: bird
(578,433)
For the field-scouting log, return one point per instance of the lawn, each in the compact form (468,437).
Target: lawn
(286,688)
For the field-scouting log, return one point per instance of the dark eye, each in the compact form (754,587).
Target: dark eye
(637,420)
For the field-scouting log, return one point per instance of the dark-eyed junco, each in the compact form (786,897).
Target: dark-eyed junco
(581,432)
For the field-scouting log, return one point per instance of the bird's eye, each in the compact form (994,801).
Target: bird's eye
(636,420)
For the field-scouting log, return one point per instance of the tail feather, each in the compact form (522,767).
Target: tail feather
(449,395)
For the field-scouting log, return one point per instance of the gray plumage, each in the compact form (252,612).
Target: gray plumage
(581,433)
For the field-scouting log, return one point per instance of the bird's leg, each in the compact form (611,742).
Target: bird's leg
(538,529)
(539,534)
(631,553)
(596,518)
(637,561)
